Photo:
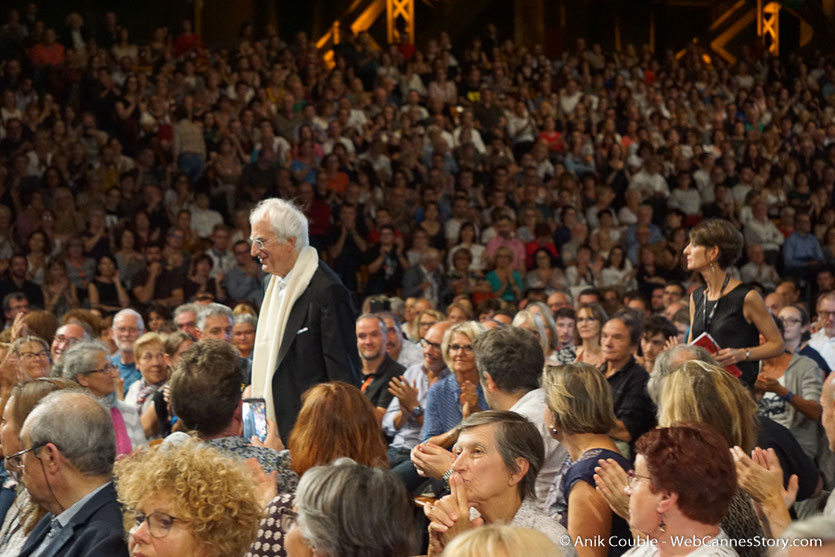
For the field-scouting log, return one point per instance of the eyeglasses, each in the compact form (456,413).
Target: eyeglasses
(260,243)
(426,324)
(30,356)
(457,347)
(66,341)
(786,321)
(14,463)
(429,344)
(159,524)
(108,368)
(633,477)
(824,315)
(148,356)
(288,520)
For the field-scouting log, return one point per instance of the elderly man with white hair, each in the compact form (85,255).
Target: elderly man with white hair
(305,333)
(127,327)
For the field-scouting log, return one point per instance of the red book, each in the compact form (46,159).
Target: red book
(709,343)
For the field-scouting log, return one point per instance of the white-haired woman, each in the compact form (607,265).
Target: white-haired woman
(87,364)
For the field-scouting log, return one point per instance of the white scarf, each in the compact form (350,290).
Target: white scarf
(273,319)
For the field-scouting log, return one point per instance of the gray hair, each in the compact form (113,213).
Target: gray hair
(246,318)
(547,321)
(531,319)
(817,531)
(350,510)
(185,308)
(669,360)
(211,310)
(79,426)
(515,437)
(389,315)
(512,356)
(81,359)
(140,323)
(286,220)
(377,317)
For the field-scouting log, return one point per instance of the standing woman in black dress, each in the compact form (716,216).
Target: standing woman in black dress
(734,314)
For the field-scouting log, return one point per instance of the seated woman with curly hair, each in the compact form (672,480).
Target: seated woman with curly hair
(187,500)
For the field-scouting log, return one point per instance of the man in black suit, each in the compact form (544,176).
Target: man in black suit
(66,465)
(425,280)
(305,332)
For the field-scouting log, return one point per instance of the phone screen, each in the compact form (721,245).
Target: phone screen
(255,418)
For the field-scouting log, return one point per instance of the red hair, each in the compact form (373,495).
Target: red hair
(336,420)
(695,462)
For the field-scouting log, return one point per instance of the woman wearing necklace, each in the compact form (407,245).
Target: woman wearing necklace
(732,313)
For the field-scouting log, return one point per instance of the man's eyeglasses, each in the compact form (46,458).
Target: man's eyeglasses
(288,520)
(108,368)
(260,243)
(14,463)
(66,341)
(633,477)
(429,344)
(159,524)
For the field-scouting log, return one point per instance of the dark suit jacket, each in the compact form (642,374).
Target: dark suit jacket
(95,531)
(414,276)
(319,345)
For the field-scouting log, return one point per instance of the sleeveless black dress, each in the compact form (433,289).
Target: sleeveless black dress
(728,326)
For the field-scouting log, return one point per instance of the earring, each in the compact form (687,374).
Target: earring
(552,429)
(662,525)
(712,268)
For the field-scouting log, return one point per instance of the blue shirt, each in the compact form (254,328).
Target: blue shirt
(127,372)
(409,433)
(800,250)
(443,408)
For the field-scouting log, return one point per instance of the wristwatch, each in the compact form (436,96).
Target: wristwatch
(417,411)
(788,396)
(447,475)
(747,354)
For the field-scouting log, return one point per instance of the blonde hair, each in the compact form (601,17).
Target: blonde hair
(701,392)
(214,493)
(146,340)
(579,398)
(502,540)
(470,329)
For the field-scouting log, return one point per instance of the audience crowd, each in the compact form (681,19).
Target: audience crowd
(514,233)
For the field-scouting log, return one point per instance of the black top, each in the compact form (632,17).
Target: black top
(377,389)
(728,325)
(631,402)
(108,295)
(771,435)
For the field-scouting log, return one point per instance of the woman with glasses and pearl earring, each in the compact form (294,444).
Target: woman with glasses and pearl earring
(579,414)
(732,313)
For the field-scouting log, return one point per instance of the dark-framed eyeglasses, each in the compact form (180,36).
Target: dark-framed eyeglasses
(14,463)
(288,519)
(108,368)
(159,523)
(429,344)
